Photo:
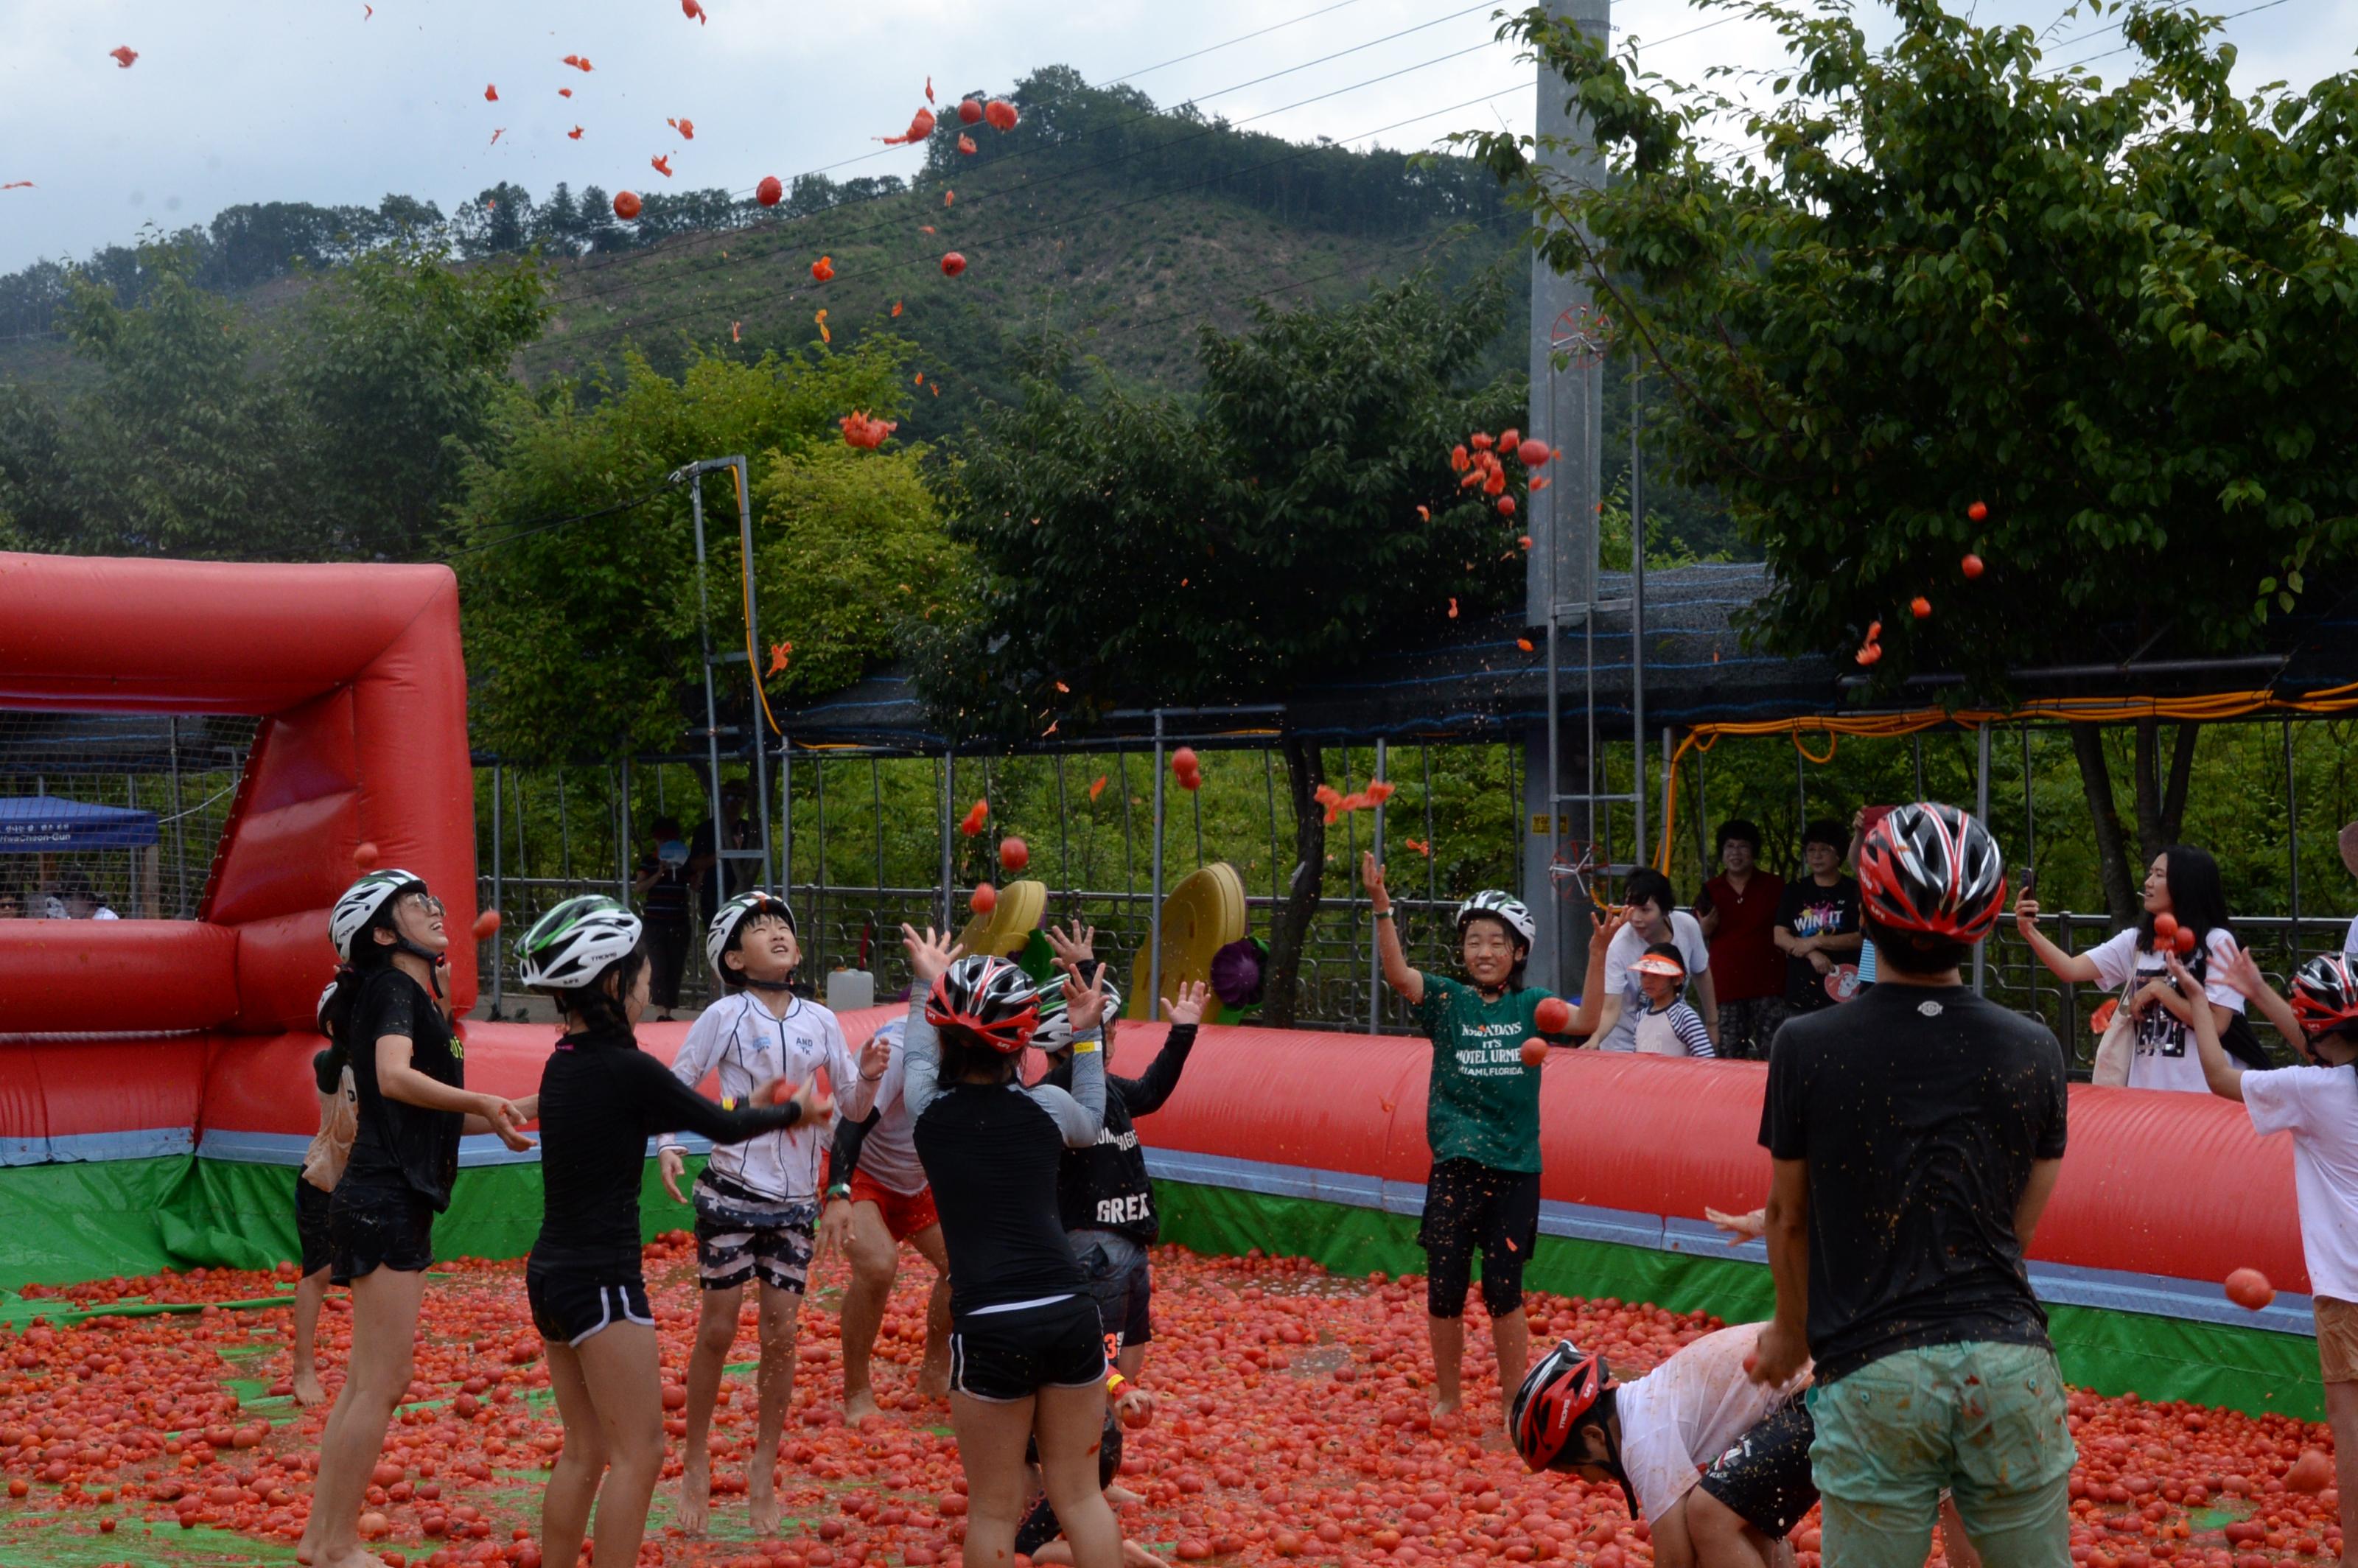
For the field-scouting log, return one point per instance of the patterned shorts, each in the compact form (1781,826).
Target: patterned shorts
(739,1237)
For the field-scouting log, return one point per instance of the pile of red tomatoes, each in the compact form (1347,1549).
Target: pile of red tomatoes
(1295,1425)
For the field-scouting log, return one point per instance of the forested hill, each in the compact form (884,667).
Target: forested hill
(1099,217)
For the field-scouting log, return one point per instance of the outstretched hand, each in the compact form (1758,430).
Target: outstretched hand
(671,1164)
(1740,1228)
(1074,945)
(2026,914)
(875,1056)
(1085,1003)
(2241,971)
(1372,877)
(1194,996)
(1601,938)
(930,954)
(507,1121)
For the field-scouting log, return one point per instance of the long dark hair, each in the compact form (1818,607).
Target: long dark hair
(2197,900)
(370,958)
(596,1009)
(965,1052)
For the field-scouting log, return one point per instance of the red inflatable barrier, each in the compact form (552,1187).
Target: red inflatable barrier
(356,674)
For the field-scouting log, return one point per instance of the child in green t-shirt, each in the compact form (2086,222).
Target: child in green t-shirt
(1482,1120)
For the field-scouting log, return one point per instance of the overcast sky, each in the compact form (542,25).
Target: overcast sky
(238,101)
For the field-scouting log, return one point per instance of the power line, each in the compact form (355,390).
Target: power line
(1095,213)
(1240,38)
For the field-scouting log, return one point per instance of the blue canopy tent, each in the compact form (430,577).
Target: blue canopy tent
(42,824)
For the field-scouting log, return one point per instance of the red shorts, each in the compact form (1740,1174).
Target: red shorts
(903,1217)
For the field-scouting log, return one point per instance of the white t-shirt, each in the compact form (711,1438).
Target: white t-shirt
(2319,1105)
(889,1155)
(1688,1411)
(747,1044)
(2165,1057)
(1629,946)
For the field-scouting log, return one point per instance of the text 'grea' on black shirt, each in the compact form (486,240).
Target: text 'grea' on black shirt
(600,1099)
(1105,1186)
(396,1143)
(1919,1111)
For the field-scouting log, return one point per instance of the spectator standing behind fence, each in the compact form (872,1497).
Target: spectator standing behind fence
(1738,913)
(11,905)
(2182,885)
(717,880)
(662,887)
(1654,917)
(1817,921)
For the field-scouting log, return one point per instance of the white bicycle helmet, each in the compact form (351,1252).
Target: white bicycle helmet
(363,900)
(721,934)
(1055,1028)
(320,1009)
(573,944)
(1503,906)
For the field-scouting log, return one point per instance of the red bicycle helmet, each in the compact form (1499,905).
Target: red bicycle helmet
(988,997)
(1555,1394)
(2325,995)
(1932,869)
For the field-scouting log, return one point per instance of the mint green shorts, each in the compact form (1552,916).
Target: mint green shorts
(1984,1420)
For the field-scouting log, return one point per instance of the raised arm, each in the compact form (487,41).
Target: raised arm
(1080,1114)
(1398,974)
(2077,967)
(2220,1071)
(2243,972)
(1144,1095)
(921,1046)
(1589,1019)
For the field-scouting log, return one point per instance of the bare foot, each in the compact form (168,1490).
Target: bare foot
(859,1407)
(1122,1497)
(353,1557)
(762,1496)
(695,1493)
(308,1392)
(1446,1408)
(1137,1556)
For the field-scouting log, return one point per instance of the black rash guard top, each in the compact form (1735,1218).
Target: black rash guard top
(1105,1186)
(992,1152)
(600,1099)
(399,1144)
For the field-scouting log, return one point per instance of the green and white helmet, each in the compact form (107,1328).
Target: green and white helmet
(573,944)
(1055,1029)
(363,900)
(1503,906)
(721,934)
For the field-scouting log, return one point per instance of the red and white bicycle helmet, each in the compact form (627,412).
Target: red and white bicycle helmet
(1932,869)
(1555,1394)
(2325,995)
(988,997)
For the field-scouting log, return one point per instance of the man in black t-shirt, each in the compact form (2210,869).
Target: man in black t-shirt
(718,880)
(1916,1136)
(1817,919)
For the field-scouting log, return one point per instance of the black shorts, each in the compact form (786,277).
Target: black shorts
(311,1225)
(1469,1204)
(1125,1298)
(568,1306)
(1003,1356)
(1764,1479)
(372,1228)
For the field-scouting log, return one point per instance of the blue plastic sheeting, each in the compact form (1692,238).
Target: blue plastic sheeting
(42,824)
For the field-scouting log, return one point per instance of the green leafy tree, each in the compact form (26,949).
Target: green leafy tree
(338,430)
(1146,550)
(581,636)
(2114,313)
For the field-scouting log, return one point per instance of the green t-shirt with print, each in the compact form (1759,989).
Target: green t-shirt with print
(1482,1104)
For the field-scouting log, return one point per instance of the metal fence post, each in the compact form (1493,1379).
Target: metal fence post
(1154,910)
(1981,809)
(1375,947)
(498,969)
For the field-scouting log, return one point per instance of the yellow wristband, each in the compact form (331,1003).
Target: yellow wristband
(1114,1383)
(1087,1048)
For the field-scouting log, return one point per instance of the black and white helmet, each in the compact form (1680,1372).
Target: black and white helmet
(320,1008)
(575,943)
(363,900)
(1055,1030)
(1503,906)
(721,934)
